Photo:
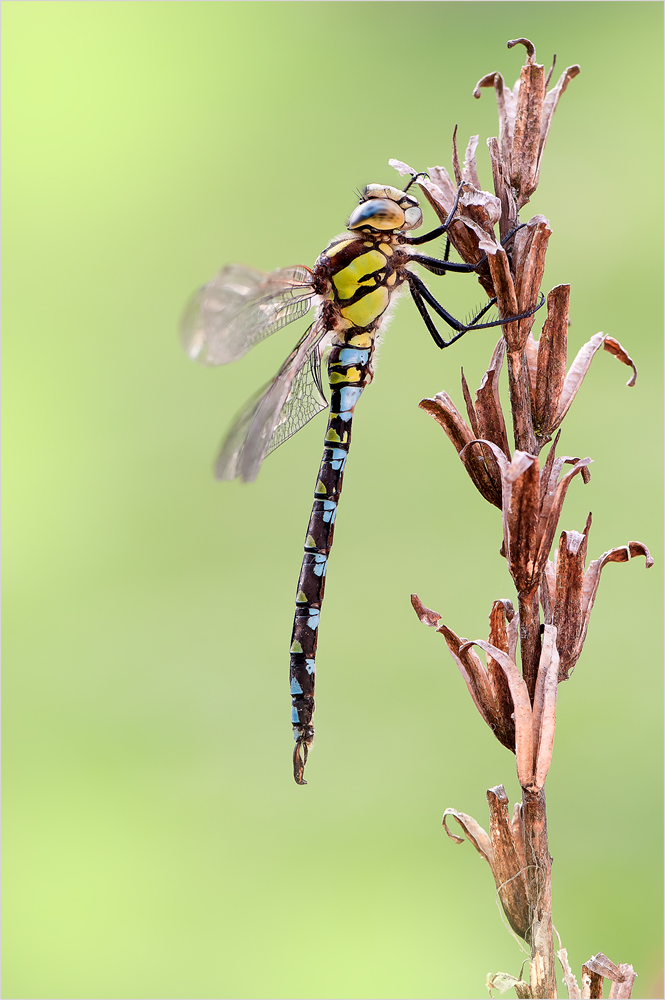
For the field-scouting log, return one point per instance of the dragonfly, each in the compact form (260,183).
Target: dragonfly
(353,286)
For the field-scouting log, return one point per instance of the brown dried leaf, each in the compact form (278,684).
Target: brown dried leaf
(444,411)
(506,100)
(505,295)
(547,591)
(531,352)
(568,616)
(520,506)
(548,476)
(603,966)
(522,705)
(473,832)
(580,367)
(549,107)
(549,487)
(508,871)
(521,480)
(530,275)
(517,830)
(470,410)
(443,185)
(550,519)
(528,524)
(614,347)
(480,237)
(575,377)
(501,610)
(591,581)
(526,137)
(490,421)
(502,190)
(470,168)
(513,636)
(622,976)
(522,244)
(551,371)
(482,207)
(544,705)
(426,615)
(403,169)
(482,474)
(477,681)
(481,467)
(529,46)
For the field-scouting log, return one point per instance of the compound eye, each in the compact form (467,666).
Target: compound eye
(413,217)
(377,213)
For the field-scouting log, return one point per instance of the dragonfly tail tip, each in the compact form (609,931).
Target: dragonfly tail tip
(300,759)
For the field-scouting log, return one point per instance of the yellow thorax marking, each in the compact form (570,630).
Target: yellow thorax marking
(337,247)
(367,309)
(347,281)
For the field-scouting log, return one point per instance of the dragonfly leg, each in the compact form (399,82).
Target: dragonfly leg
(437,266)
(423,297)
(415,241)
(421,173)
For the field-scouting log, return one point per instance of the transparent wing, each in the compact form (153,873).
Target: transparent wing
(278,411)
(241,307)
(304,401)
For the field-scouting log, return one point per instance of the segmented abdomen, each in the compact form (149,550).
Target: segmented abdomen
(349,371)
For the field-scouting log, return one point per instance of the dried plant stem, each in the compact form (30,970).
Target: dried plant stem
(539,867)
(519,706)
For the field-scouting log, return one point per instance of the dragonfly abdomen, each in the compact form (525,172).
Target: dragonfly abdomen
(349,371)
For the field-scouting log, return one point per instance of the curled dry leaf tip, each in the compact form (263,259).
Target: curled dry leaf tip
(529,46)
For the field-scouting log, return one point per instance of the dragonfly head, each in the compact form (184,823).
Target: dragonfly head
(383,208)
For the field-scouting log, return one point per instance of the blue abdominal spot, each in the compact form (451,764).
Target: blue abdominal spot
(336,458)
(313,620)
(353,356)
(349,396)
(329,511)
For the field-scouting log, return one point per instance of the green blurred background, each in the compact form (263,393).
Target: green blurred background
(155,843)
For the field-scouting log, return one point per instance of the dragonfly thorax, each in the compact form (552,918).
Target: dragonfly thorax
(383,208)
